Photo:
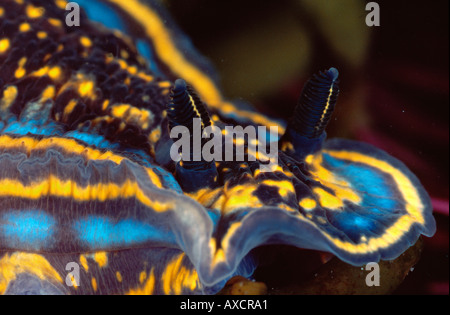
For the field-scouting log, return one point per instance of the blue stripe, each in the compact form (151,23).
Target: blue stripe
(27,229)
(100,232)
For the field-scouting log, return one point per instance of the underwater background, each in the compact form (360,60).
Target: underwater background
(394,82)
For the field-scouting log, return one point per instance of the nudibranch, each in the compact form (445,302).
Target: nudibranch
(91,201)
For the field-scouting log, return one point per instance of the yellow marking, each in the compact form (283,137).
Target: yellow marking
(169,54)
(69,107)
(119,276)
(146,289)
(176,277)
(145,76)
(94,284)
(2,11)
(101,258)
(53,186)
(124,54)
(218,255)
(155,135)
(206,196)
(73,281)
(49,92)
(85,41)
(57,187)
(14,264)
(155,179)
(330,92)
(142,277)
(287,146)
(132,115)
(164,84)
(9,96)
(414,205)
(54,73)
(284,186)
(84,263)
(41,35)
(34,12)
(55,22)
(4,45)
(308,204)
(341,188)
(86,88)
(328,200)
(20,72)
(105,105)
(61,4)
(402,225)
(239,197)
(24,27)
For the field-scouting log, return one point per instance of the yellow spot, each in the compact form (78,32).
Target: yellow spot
(176,277)
(4,45)
(145,77)
(101,258)
(308,204)
(55,22)
(85,41)
(132,115)
(49,92)
(20,72)
(86,88)
(94,284)
(105,105)
(54,73)
(2,11)
(124,54)
(146,289)
(24,27)
(69,108)
(34,12)
(41,34)
(155,135)
(9,96)
(119,276)
(84,263)
(61,4)
(14,264)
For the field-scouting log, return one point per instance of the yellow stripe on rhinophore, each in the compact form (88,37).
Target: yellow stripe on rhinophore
(146,289)
(14,264)
(176,277)
(330,92)
(53,186)
(169,54)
